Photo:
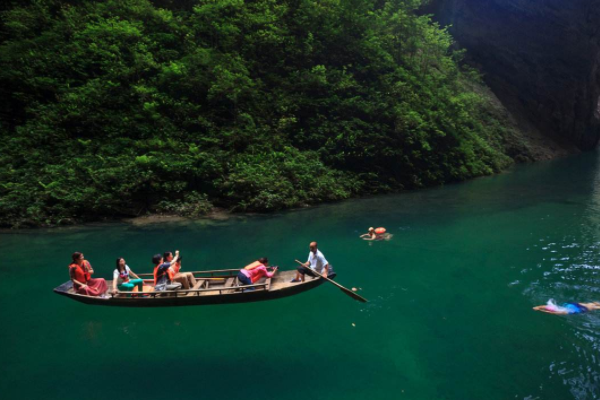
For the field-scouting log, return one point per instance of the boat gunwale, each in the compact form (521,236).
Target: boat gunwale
(182,297)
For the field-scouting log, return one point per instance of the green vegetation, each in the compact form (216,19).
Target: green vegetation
(123,107)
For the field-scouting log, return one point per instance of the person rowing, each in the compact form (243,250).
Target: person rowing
(567,308)
(316,264)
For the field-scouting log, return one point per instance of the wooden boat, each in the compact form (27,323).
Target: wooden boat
(212,287)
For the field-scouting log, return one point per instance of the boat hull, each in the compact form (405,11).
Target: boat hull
(173,299)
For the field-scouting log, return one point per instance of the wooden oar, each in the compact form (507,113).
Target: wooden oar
(343,289)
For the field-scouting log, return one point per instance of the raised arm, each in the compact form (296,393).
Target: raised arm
(174,260)
(545,309)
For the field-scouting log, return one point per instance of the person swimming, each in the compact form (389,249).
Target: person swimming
(567,308)
(370,235)
(376,234)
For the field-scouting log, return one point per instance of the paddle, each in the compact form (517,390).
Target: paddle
(345,290)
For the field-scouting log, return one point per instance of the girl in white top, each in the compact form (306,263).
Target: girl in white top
(122,280)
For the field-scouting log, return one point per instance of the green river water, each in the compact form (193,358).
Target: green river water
(449,315)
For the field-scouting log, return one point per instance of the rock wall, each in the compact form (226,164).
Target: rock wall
(541,58)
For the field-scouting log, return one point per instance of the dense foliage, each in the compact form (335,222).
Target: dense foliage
(123,107)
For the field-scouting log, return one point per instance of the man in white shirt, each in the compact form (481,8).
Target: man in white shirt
(316,263)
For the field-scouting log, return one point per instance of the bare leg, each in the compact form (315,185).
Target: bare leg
(182,279)
(591,306)
(191,279)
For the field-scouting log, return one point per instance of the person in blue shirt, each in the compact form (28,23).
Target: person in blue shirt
(162,281)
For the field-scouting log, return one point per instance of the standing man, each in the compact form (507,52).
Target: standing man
(316,263)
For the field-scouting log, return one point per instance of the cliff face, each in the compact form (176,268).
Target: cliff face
(541,58)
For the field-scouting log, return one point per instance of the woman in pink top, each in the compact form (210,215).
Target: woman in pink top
(251,276)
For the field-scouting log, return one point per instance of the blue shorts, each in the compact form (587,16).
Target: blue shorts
(244,279)
(575,308)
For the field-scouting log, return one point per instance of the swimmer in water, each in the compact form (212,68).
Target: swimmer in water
(371,235)
(567,308)
(376,234)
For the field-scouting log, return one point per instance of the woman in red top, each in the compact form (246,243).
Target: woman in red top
(81,272)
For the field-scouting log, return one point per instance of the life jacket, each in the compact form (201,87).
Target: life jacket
(380,231)
(175,267)
(80,273)
(156,276)
(159,274)
(124,276)
(253,265)
(256,274)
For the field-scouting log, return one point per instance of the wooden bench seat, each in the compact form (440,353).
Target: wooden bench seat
(200,284)
(230,282)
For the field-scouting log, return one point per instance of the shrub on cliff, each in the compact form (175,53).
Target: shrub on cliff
(119,107)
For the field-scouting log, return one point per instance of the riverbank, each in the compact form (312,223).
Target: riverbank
(540,152)
(213,215)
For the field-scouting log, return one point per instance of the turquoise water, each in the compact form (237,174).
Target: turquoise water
(449,315)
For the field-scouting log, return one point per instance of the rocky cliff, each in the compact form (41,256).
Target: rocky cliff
(540,58)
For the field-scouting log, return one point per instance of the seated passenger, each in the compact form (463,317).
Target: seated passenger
(186,279)
(162,280)
(257,271)
(567,308)
(80,271)
(121,278)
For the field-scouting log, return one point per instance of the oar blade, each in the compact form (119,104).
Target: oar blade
(355,296)
(343,289)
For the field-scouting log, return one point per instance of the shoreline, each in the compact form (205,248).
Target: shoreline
(220,214)
(215,215)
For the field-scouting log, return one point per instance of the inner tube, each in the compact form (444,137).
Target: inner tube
(380,231)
